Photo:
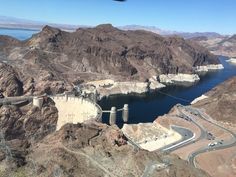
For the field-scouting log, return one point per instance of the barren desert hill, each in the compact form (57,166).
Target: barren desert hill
(31,146)
(221,45)
(220,104)
(105,51)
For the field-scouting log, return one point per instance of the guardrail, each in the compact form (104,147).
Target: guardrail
(180,143)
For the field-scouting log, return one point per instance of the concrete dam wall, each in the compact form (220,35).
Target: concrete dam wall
(75,110)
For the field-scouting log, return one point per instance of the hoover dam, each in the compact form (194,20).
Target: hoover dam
(71,109)
(75,110)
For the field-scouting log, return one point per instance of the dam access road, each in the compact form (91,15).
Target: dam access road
(212,139)
(191,134)
(202,142)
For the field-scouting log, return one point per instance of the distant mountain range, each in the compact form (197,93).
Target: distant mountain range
(12,22)
(18,23)
(186,35)
(225,46)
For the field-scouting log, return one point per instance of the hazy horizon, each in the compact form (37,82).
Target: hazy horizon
(75,26)
(184,16)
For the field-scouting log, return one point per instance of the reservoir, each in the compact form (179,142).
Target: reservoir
(148,107)
(20,34)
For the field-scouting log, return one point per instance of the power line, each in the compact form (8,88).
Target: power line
(177,98)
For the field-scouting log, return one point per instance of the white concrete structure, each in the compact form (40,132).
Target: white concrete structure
(125,113)
(180,143)
(75,110)
(38,102)
(150,136)
(112,119)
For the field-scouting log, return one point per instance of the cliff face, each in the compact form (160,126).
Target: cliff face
(22,126)
(10,83)
(223,99)
(7,40)
(104,52)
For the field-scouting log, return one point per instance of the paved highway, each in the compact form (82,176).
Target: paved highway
(203,134)
(186,135)
(15,100)
(218,146)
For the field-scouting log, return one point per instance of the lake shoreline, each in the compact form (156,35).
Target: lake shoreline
(148,106)
(112,88)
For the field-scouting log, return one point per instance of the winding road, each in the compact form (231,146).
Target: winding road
(203,135)
(218,146)
(187,136)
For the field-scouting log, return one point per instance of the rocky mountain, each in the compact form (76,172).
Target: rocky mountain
(102,52)
(224,45)
(99,150)
(186,35)
(50,62)
(14,83)
(221,98)
(147,28)
(199,34)
(91,149)
(10,83)
(31,146)
(22,126)
(19,23)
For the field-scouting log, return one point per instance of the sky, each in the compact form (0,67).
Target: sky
(178,15)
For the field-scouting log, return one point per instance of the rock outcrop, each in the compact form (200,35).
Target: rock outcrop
(209,68)
(104,52)
(10,83)
(224,45)
(221,98)
(176,79)
(95,149)
(30,146)
(232,60)
(20,127)
(109,87)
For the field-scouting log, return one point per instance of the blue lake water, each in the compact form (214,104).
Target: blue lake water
(20,34)
(147,108)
